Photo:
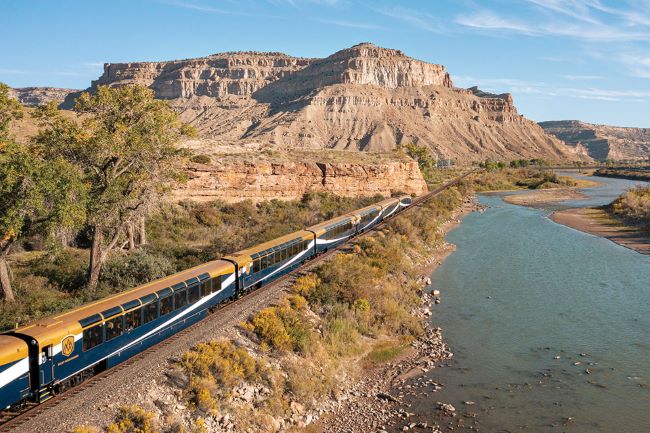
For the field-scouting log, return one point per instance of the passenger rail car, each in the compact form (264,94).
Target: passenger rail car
(49,355)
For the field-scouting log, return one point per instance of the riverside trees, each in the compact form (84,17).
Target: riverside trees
(125,146)
(37,195)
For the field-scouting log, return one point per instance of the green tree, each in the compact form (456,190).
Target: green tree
(125,144)
(10,109)
(36,197)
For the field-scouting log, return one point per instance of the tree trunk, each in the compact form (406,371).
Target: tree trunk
(97,257)
(5,280)
(143,232)
(130,235)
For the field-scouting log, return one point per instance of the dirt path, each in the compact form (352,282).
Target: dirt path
(598,222)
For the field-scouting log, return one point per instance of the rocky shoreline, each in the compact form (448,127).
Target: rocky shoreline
(377,402)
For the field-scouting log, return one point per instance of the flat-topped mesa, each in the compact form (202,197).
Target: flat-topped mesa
(363,64)
(218,75)
(35,96)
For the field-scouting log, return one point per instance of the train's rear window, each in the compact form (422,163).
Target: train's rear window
(92,337)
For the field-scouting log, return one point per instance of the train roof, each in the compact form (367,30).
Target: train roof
(245,256)
(52,329)
(364,210)
(321,227)
(12,349)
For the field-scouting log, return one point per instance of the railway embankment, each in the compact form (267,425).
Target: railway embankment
(329,351)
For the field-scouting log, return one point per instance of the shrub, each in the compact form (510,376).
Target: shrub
(201,159)
(133,419)
(138,267)
(65,270)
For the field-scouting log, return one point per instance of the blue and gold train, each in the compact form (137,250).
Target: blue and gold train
(50,355)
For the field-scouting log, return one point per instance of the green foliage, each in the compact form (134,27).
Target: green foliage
(65,270)
(36,194)
(201,159)
(521,178)
(422,155)
(385,351)
(125,271)
(133,419)
(10,110)
(126,148)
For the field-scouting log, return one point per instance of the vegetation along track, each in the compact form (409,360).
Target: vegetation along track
(10,421)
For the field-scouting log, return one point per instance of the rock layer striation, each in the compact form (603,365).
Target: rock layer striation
(361,98)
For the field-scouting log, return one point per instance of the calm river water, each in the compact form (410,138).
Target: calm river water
(521,291)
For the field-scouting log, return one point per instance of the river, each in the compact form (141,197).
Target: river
(550,327)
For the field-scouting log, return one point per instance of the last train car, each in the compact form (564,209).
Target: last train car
(405,201)
(334,232)
(67,348)
(14,371)
(265,262)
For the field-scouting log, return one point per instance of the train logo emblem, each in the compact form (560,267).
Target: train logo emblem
(67,345)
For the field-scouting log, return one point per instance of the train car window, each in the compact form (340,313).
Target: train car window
(216,284)
(133,319)
(194,293)
(206,287)
(114,328)
(92,337)
(150,312)
(256,266)
(180,299)
(166,305)
(91,320)
(283,254)
(265,262)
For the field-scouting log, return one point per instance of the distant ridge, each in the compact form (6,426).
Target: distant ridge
(602,141)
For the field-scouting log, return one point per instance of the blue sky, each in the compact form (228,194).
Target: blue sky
(561,59)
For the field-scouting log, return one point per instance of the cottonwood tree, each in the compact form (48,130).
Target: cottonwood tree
(125,143)
(10,110)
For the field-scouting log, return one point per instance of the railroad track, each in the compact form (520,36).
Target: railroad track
(12,419)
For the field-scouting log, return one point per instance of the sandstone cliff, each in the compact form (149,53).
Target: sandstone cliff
(35,96)
(602,141)
(361,98)
(235,180)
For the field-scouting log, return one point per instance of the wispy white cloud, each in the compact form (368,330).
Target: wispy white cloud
(350,24)
(421,20)
(586,20)
(94,64)
(517,86)
(202,8)
(487,20)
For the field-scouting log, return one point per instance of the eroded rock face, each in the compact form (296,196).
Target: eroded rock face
(35,96)
(363,98)
(233,181)
(602,141)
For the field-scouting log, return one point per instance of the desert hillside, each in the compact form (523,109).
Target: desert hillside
(602,141)
(361,98)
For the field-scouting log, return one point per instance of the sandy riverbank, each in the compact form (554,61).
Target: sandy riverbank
(598,222)
(542,197)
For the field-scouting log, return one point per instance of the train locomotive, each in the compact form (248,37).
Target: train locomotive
(50,355)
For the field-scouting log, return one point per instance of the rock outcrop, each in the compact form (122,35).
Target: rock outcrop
(602,141)
(362,98)
(35,96)
(233,180)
